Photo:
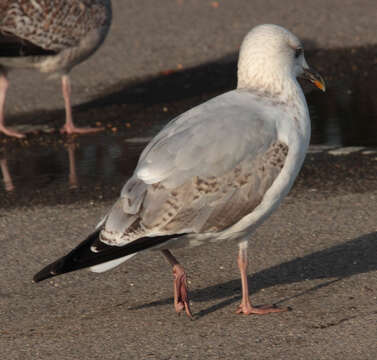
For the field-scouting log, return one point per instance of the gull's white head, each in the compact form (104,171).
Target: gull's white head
(271,58)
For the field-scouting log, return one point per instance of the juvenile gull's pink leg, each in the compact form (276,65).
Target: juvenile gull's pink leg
(181,300)
(3,91)
(245,307)
(69,126)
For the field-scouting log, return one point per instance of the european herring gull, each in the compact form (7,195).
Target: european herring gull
(214,173)
(51,36)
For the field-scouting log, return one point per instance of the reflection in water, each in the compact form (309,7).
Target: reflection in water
(73,182)
(8,184)
(96,159)
(346,115)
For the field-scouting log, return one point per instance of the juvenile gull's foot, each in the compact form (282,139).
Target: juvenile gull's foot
(12,133)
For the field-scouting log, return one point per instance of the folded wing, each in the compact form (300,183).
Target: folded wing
(202,173)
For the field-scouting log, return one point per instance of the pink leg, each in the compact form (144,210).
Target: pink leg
(3,91)
(6,175)
(245,307)
(69,126)
(181,300)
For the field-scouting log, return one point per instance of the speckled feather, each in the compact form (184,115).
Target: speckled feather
(213,204)
(53,24)
(206,170)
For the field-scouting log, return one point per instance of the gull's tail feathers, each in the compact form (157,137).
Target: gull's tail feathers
(110,264)
(98,258)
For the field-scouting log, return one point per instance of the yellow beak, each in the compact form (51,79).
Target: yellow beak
(315,78)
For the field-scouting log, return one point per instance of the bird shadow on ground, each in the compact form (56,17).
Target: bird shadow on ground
(129,99)
(349,71)
(335,263)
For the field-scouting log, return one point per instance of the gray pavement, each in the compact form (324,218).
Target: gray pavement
(316,254)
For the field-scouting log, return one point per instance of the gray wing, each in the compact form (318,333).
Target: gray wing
(202,173)
(53,24)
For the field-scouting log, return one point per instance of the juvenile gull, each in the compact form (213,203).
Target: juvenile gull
(51,36)
(215,172)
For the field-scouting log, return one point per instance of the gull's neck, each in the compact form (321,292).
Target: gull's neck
(283,90)
(287,91)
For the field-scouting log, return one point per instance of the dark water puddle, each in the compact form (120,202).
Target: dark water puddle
(346,115)
(91,167)
(47,168)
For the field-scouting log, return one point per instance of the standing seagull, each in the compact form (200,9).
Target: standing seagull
(52,36)
(215,172)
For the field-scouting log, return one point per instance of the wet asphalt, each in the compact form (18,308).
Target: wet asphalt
(316,254)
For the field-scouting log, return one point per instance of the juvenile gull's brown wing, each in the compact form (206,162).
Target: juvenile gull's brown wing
(53,24)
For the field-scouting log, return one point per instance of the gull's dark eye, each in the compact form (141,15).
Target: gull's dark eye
(298,52)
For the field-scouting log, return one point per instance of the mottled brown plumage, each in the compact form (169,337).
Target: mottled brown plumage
(53,24)
(209,204)
(51,36)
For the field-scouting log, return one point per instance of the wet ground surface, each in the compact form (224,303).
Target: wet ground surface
(96,167)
